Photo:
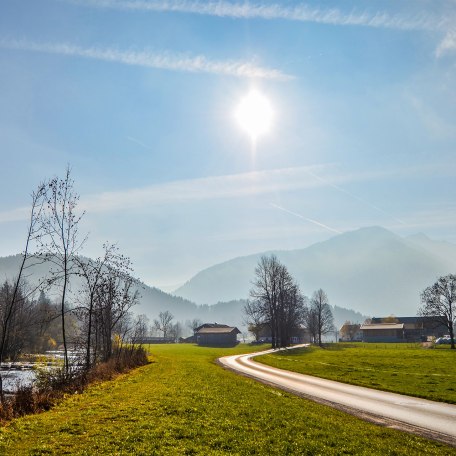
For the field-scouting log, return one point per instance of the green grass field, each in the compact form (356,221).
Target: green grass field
(401,368)
(184,403)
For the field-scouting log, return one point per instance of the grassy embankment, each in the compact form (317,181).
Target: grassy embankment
(401,368)
(183,403)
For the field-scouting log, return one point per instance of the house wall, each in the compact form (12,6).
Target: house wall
(216,340)
(383,335)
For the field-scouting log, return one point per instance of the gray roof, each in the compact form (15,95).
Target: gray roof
(383,326)
(226,330)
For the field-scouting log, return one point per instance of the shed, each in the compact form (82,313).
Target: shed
(383,332)
(220,336)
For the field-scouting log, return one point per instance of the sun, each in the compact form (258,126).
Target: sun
(255,114)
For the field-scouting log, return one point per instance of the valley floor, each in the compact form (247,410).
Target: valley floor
(184,403)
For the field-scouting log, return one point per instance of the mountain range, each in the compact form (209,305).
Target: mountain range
(371,270)
(368,272)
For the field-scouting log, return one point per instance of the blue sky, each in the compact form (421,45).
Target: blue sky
(139,98)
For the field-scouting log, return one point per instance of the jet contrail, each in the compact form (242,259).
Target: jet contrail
(315,222)
(340,189)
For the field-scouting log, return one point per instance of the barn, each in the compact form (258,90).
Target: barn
(216,335)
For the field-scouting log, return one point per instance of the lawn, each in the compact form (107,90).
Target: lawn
(183,403)
(401,368)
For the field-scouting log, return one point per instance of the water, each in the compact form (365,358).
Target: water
(14,378)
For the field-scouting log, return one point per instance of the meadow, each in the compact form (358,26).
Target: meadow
(183,403)
(401,368)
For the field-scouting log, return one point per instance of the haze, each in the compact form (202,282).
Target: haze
(139,98)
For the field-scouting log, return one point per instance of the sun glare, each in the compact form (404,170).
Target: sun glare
(254,114)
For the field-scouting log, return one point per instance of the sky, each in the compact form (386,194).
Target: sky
(139,98)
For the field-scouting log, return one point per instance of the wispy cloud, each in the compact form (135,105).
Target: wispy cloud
(138,142)
(306,219)
(243,185)
(301,12)
(163,61)
(207,188)
(447,45)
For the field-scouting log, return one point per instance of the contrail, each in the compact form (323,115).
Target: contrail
(138,142)
(362,200)
(302,12)
(315,222)
(161,61)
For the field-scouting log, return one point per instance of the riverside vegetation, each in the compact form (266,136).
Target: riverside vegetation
(184,403)
(401,368)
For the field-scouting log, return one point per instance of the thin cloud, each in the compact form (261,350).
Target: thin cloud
(243,185)
(361,200)
(138,142)
(447,45)
(302,13)
(315,222)
(163,61)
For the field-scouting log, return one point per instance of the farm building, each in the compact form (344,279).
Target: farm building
(216,335)
(383,332)
(416,329)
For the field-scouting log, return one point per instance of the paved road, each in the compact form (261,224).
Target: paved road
(432,419)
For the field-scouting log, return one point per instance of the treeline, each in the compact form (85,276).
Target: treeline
(278,308)
(95,322)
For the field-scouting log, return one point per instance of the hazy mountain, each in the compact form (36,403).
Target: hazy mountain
(153,301)
(371,270)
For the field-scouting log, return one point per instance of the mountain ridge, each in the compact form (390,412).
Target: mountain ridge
(370,270)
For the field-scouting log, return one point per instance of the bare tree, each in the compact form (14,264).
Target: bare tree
(175,331)
(59,241)
(95,273)
(116,297)
(311,322)
(193,324)
(321,314)
(164,322)
(254,318)
(439,303)
(32,233)
(276,298)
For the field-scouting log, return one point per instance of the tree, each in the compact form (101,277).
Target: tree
(254,318)
(439,303)
(32,234)
(195,323)
(59,239)
(321,314)
(95,274)
(275,301)
(116,296)
(164,322)
(311,322)
(349,330)
(175,331)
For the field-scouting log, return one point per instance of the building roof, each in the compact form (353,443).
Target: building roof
(382,326)
(224,330)
(211,325)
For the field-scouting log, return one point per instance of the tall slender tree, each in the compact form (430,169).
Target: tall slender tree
(33,233)
(321,314)
(59,240)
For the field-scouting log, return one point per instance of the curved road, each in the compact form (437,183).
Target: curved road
(436,420)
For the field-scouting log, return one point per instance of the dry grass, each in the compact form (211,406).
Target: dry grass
(51,386)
